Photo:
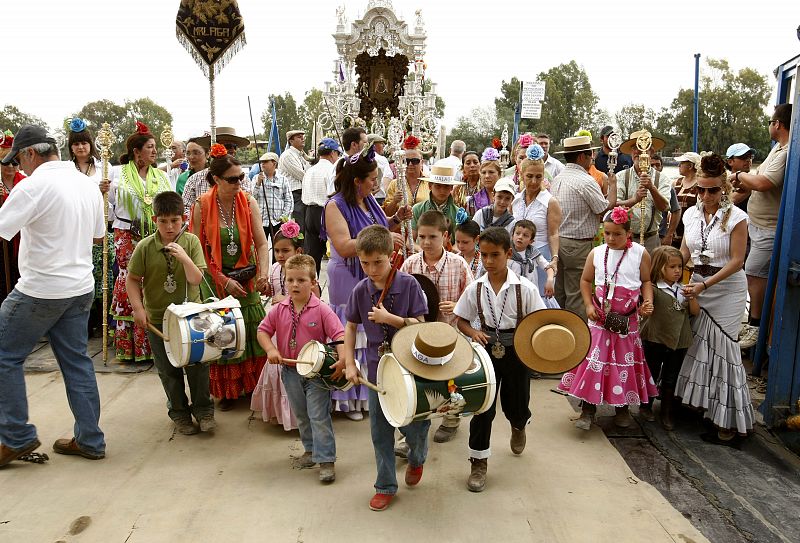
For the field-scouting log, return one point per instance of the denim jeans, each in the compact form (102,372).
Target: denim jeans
(311,405)
(23,321)
(174,387)
(382,432)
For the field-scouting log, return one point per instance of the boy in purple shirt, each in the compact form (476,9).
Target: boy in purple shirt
(403,304)
(298,319)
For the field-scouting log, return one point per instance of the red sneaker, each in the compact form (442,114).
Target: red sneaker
(413,475)
(380,502)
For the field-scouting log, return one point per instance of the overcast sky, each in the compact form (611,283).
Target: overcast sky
(61,54)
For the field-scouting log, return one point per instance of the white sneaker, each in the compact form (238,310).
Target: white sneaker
(748,336)
(354,415)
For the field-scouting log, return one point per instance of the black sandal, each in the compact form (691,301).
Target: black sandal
(713,437)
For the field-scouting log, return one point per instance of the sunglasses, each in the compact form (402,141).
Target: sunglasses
(710,190)
(12,164)
(413,161)
(234,178)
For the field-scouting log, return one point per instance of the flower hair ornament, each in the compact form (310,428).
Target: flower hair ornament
(411,142)
(77,125)
(142,128)
(490,153)
(367,154)
(583,133)
(291,230)
(497,144)
(461,216)
(535,152)
(618,215)
(525,140)
(6,139)
(218,150)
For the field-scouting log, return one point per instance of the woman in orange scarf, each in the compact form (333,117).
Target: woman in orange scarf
(228,223)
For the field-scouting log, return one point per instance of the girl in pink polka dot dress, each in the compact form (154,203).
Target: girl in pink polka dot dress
(614,371)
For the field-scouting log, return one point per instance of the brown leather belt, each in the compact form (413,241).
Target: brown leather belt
(705,270)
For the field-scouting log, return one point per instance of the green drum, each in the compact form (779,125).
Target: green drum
(408,398)
(320,358)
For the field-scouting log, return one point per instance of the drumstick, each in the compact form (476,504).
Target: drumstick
(370,386)
(293,361)
(157,332)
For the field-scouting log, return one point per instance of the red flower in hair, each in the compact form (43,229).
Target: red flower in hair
(497,144)
(411,142)
(142,128)
(218,150)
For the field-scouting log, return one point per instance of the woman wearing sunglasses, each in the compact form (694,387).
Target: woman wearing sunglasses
(228,222)
(417,190)
(712,377)
(10,175)
(131,197)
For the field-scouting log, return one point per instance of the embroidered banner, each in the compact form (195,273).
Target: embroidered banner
(212,31)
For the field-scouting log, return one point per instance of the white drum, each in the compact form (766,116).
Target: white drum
(200,333)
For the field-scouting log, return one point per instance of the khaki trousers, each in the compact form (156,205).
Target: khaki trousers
(572,255)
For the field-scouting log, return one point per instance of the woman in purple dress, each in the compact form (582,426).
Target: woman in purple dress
(347,212)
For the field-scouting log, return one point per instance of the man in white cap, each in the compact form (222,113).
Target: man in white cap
(59,212)
(582,209)
(766,186)
(293,165)
(739,158)
(315,194)
(272,193)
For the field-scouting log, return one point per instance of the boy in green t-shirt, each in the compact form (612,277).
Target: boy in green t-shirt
(170,271)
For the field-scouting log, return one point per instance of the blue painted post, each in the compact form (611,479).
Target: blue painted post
(696,101)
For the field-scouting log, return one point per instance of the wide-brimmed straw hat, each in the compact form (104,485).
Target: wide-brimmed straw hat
(576,144)
(432,350)
(552,340)
(444,175)
(656,143)
(225,134)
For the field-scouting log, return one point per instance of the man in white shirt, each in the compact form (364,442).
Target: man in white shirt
(54,293)
(457,150)
(293,166)
(315,184)
(552,165)
(385,174)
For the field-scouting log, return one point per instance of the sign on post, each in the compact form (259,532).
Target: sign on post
(532,96)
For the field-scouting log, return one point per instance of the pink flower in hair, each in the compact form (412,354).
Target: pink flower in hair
(619,215)
(290,229)
(525,140)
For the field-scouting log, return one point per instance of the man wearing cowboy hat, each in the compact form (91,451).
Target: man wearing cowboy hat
(441,181)
(272,193)
(582,208)
(315,194)
(293,165)
(635,186)
(197,184)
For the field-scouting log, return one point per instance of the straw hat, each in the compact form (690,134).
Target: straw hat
(575,144)
(225,134)
(628,146)
(444,175)
(552,340)
(432,350)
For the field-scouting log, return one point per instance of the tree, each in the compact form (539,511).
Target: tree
(732,109)
(11,118)
(476,129)
(287,114)
(635,117)
(311,108)
(569,102)
(147,111)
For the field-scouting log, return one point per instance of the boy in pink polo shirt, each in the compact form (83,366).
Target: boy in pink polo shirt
(295,321)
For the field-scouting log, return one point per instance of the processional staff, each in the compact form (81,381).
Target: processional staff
(105,139)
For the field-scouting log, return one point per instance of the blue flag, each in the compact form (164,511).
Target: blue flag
(274,134)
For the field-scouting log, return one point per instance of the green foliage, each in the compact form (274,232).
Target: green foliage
(11,118)
(635,117)
(476,129)
(732,109)
(288,117)
(569,102)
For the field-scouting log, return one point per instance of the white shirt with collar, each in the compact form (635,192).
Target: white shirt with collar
(467,306)
(315,183)
(293,166)
(536,212)
(675,290)
(553,166)
(384,171)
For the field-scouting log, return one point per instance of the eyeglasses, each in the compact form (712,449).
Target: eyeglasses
(413,161)
(710,190)
(234,178)
(12,164)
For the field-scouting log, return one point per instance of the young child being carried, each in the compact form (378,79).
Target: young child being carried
(403,304)
(614,371)
(500,299)
(526,261)
(451,275)
(467,244)
(269,396)
(499,212)
(667,333)
(295,321)
(171,264)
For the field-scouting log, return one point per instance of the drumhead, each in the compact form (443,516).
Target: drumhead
(241,332)
(314,352)
(399,403)
(482,358)
(176,348)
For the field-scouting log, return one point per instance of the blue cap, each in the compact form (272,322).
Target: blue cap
(330,144)
(738,149)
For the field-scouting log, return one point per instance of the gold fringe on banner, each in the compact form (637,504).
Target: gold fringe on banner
(211,31)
